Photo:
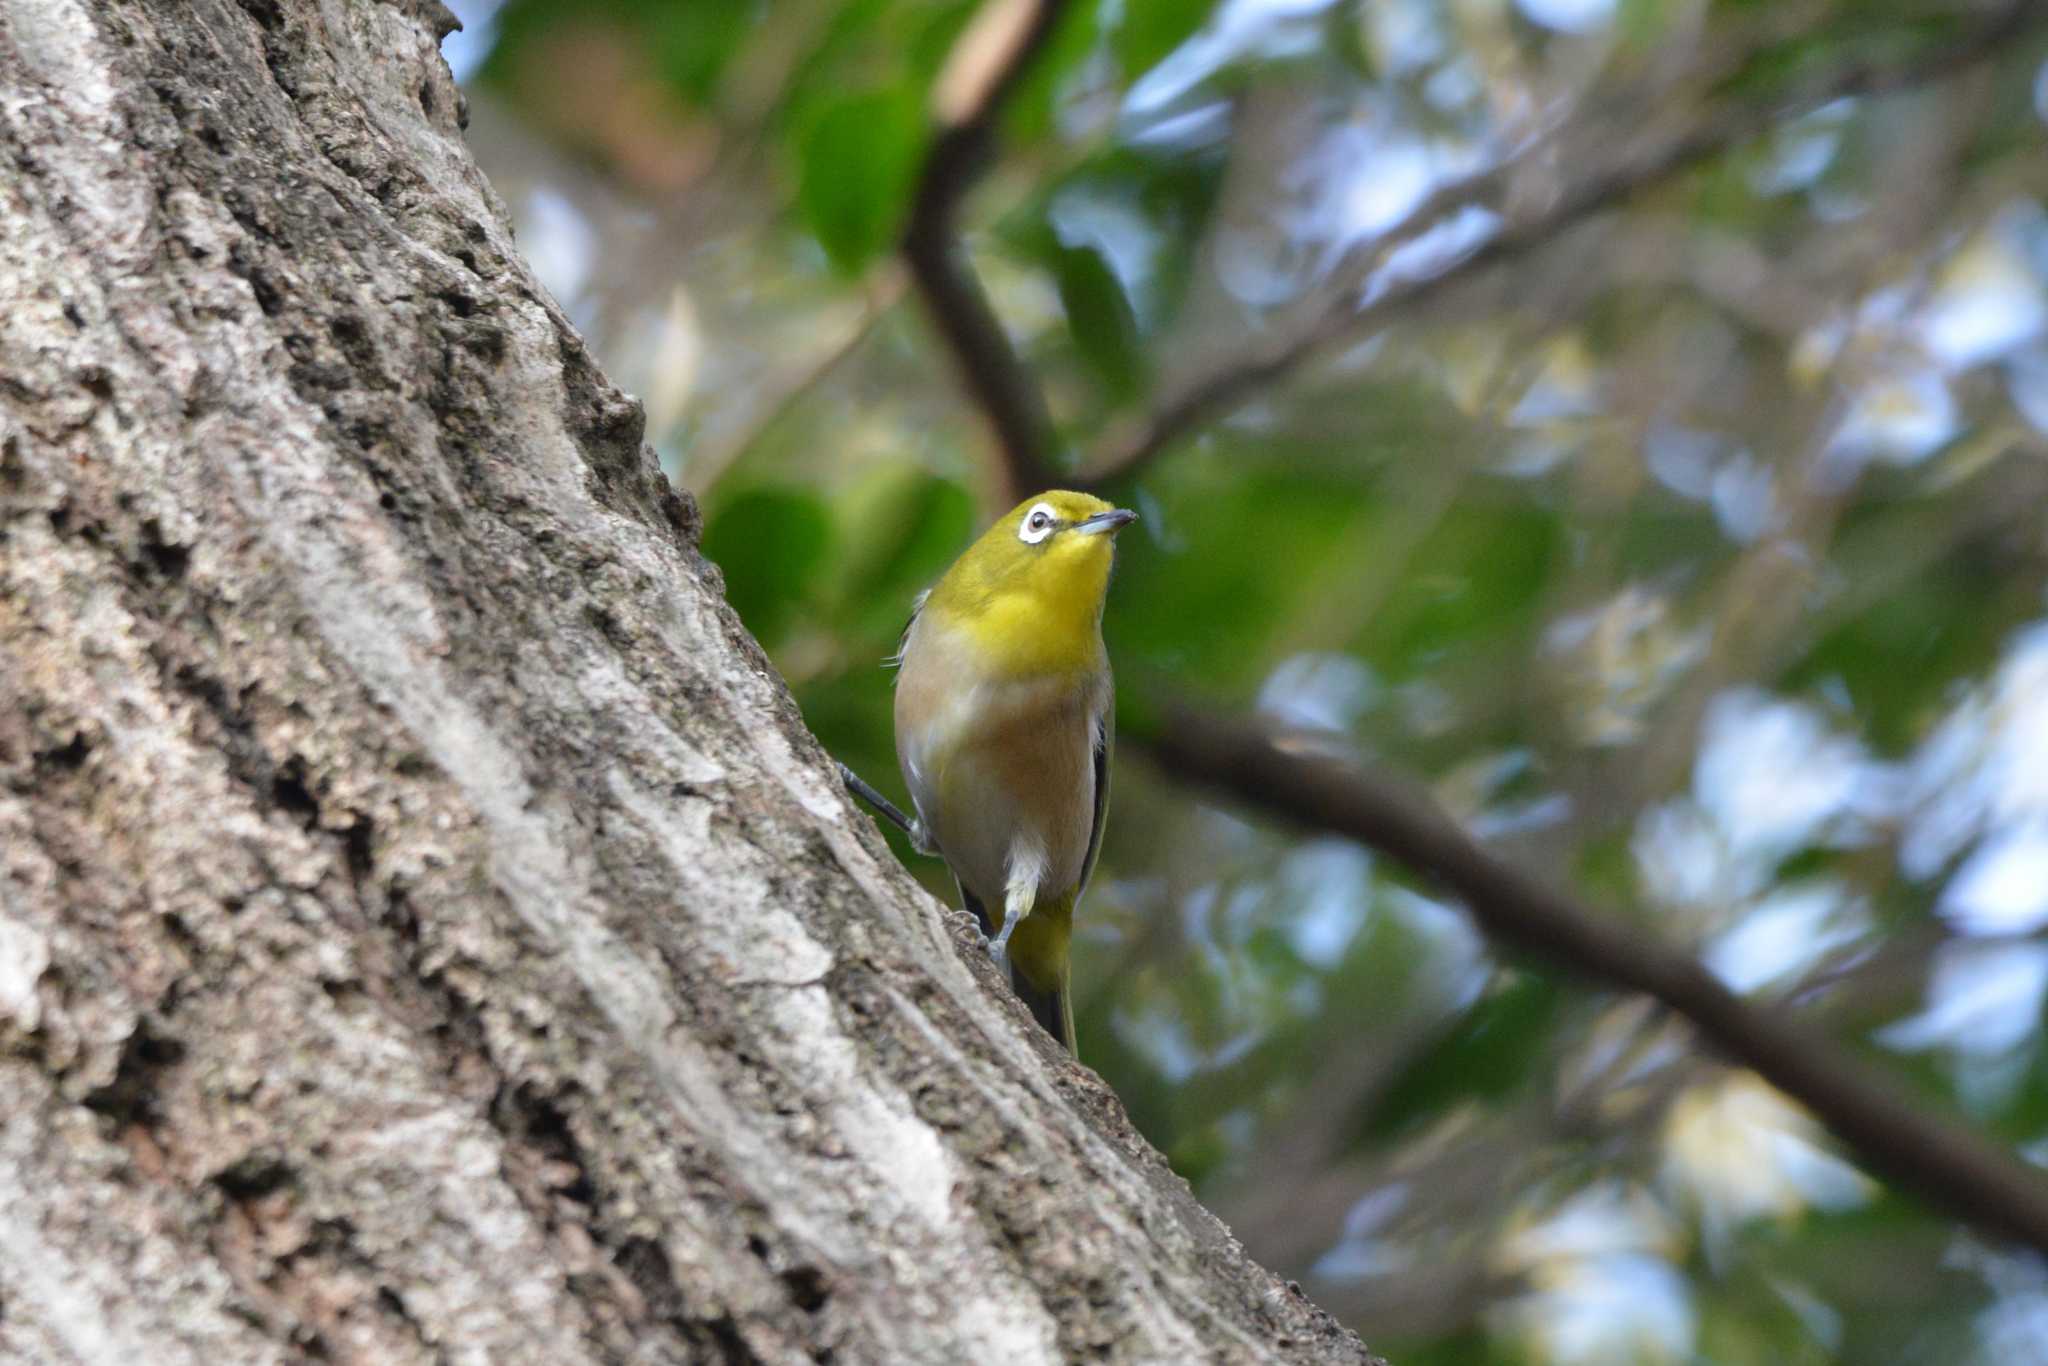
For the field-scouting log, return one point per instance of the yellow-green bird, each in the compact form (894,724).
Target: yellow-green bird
(1003,730)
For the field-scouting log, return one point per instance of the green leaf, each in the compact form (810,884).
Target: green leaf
(1173,195)
(1028,114)
(696,42)
(903,527)
(1478,577)
(841,58)
(771,543)
(1104,328)
(1187,600)
(690,45)
(1153,28)
(1486,1054)
(1900,656)
(1643,23)
(927,49)
(857,161)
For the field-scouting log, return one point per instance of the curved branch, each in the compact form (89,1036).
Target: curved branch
(983,67)
(1221,393)
(1946,1164)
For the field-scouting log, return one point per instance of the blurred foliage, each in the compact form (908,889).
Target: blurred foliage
(1696,559)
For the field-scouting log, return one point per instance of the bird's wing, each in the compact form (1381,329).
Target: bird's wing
(1105,738)
(903,641)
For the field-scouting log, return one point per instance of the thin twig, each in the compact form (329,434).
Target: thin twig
(1226,390)
(982,69)
(1877,1117)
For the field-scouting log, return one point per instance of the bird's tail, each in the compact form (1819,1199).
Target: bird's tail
(1037,963)
(1052,1008)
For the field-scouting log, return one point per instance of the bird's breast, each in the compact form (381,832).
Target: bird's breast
(990,758)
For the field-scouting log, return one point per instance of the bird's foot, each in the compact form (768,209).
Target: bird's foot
(999,947)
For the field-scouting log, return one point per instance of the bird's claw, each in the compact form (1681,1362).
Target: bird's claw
(999,947)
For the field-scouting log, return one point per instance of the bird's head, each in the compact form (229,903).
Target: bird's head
(1054,542)
(1043,565)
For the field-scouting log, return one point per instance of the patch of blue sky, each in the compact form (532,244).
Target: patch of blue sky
(1433,250)
(559,243)
(1615,1309)
(1569,16)
(1898,419)
(1324,691)
(2002,888)
(1786,934)
(1363,1250)
(465,49)
(1084,216)
(1801,152)
(1240,29)
(1328,885)
(1775,776)
(1982,998)
(1988,300)
(1986,765)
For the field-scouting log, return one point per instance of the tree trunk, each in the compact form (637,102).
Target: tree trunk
(427,930)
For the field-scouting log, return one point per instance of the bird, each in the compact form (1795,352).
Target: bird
(1004,728)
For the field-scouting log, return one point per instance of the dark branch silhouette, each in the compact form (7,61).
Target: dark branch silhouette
(1943,1161)
(982,69)
(1216,395)
(1876,1116)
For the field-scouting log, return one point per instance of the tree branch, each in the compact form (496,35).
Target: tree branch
(1227,389)
(980,72)
(1945,1163)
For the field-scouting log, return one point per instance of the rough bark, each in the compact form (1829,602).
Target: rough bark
(427,930)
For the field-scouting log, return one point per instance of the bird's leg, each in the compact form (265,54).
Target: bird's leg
(1014,911)
(920,838)
(1026,867)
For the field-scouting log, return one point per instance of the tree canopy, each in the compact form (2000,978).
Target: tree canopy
(1625,418)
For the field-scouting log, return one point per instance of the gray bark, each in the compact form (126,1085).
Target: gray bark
(427,931)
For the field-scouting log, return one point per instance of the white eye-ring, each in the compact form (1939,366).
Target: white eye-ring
(1038,523)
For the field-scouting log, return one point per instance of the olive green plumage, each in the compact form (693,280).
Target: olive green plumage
(1004,728)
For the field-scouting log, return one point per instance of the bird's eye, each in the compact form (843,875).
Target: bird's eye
(1038,524)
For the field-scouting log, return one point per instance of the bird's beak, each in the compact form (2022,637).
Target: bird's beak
(1114,520)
